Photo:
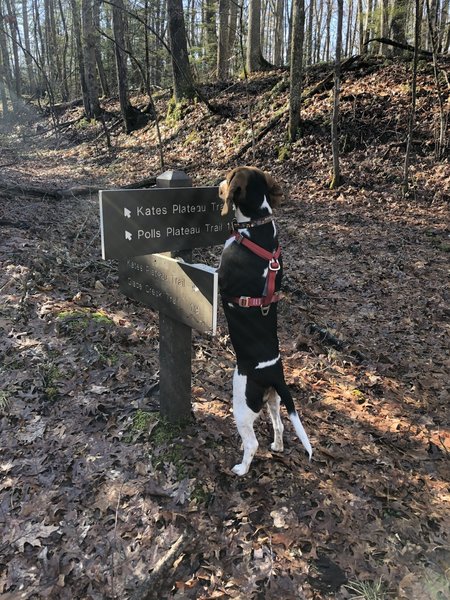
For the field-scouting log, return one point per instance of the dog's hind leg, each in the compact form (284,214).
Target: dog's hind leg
(287,400)
(273,404)
(245,418)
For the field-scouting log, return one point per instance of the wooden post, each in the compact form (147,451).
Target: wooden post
(175,340)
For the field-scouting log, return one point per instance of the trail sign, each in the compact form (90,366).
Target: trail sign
(138,222)
(187,293)
(173,217)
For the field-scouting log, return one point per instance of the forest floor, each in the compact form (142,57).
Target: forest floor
(99,498)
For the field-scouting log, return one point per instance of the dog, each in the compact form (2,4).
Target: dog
(250,275)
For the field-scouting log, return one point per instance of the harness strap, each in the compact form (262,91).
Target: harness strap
(249,302)
(274,267)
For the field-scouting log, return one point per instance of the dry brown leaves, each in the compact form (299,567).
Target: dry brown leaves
(97,496)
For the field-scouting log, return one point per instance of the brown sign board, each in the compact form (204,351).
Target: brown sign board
(140,222)
(185,292)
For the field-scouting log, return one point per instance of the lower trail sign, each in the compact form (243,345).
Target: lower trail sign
(187,293)
(136,225)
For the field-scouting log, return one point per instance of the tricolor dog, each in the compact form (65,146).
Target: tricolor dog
(250,275)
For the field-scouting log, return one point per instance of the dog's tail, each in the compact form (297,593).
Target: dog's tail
(286,399)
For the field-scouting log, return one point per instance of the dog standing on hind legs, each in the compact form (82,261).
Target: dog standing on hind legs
(250,276)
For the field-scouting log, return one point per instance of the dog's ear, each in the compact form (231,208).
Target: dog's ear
(276,193)
(234,190)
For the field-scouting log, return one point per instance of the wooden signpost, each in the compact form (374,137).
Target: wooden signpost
(136,226)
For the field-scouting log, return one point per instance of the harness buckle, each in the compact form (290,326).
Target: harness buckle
(232,226)
(265,310)
(274,264)
(238,237)
(244,301)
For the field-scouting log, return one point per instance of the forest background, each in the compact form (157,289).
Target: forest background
(346,103)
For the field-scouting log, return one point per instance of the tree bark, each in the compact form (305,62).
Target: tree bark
(412,114)
(5,68)
(12,21)
(121,63)
(98,55)
(182,77)
(254,60)
(328,30)
(64,70)
(210,37)
(27,44)
(93,106)
(297,42)
(278,57)
(233,25)
(444,28)
(398,22)
(223,50)
(309,45)
(336,179)
(440,140)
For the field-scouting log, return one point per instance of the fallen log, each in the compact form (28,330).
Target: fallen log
(11,189)
(400,46)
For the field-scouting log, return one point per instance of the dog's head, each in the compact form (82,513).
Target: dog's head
(246,188)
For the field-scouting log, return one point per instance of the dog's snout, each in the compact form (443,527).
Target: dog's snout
(223,189)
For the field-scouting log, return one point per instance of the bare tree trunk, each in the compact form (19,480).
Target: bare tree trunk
(147,44)
(121,63)
(336,179)
(361,26)
(309,34)
(278,57)
(98,55)
(27,44)
(440,140)
(64,70)
(367,24)
(328,27)
(264,28)
(5,68)
(39,45)
(348,35)
(210,37)
(223,51)
(318,33)
(254,55)
(412,114)
(297,42)
(183,84)
(384,25)
(398,22)
(12,21)
(76,22)
(93,106)
(233,26)
(444,27)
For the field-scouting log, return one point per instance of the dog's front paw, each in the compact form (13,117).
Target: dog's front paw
(240,469)
(277,447)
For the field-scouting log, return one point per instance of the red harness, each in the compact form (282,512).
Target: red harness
(274,266)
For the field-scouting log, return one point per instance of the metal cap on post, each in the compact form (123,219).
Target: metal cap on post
(173,179)
(175,340)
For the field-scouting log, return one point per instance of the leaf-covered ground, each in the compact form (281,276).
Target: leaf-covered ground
(100,499)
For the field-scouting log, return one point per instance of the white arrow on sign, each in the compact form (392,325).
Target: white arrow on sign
(128,236)
(127,213)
